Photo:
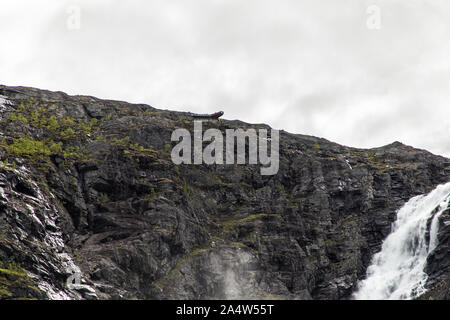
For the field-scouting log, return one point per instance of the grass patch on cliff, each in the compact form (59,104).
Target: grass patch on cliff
(12,268)
(41,150)
(14,282)
(31,149)
(133,149)
(43,134)
(42,117)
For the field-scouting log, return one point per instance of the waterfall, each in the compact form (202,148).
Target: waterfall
(396,272)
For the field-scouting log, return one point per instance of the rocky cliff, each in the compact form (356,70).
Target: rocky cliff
(88,192)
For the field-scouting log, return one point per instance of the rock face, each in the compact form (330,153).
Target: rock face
(438,264)
(91,206)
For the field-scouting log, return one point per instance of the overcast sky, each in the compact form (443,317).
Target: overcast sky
(360,73)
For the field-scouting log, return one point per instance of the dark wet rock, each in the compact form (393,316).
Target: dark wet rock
(438,262)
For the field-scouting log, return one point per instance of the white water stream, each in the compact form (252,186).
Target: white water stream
(396,272)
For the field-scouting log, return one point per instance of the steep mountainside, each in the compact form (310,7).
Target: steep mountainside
(88,191)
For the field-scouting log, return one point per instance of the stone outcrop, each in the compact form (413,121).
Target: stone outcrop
(88,192)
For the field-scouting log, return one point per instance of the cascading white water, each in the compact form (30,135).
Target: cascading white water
(396,272)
